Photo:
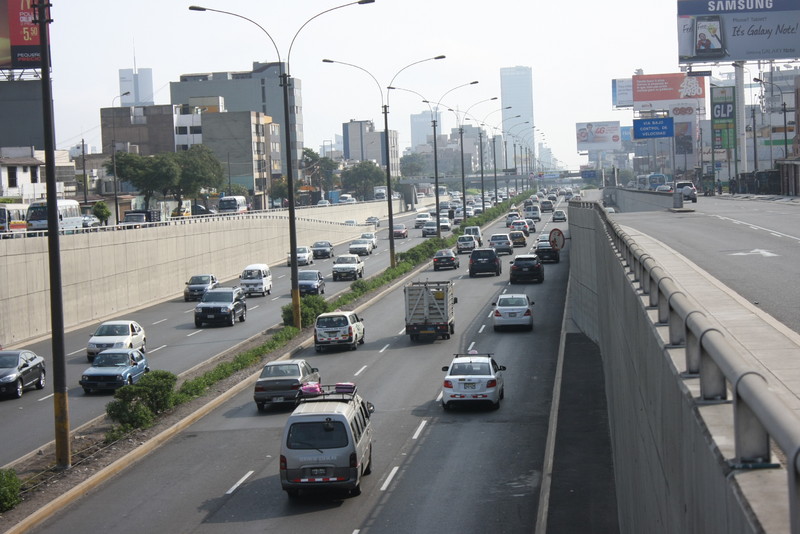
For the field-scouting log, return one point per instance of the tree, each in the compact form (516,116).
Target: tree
(320,170)
(101,211)
(362,178)
(413,165)
(146,174)
(200,169)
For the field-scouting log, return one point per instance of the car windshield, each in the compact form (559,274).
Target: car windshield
(217,296)
(112,330)
(200,280)
(511,301)
(8,361)
(331,322)
(286,370)
(307,275)
(302,250)
(399,226)
(345,259)
(470,369)
(361,242)
(367,236)
(115,359)
(251,274)
(321,244)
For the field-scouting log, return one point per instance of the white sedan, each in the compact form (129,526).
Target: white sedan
(304,255)
(473,378)
(513,309)
(116,335)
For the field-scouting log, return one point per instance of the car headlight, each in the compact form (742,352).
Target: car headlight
(198,309)
(91,346)
(119,344)
(84,378)
(9,378)
(120,377)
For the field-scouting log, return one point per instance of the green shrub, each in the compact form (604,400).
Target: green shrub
(129,409)
(10,486)
(157,390)
(310,307)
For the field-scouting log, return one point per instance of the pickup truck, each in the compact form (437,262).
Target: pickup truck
(429,309)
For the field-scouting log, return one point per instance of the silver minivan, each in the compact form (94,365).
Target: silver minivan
(256,278)
(327,441)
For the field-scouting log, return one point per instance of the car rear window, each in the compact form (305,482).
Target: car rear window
(317,435)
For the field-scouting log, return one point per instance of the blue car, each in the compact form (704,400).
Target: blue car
(114,368)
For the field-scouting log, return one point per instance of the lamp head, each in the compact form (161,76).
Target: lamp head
(759,80)
(328,61)
(440,57)
(366,1)
(196,8)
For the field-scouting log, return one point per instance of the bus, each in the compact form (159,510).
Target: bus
(12,217)
(649,182)
(69,215)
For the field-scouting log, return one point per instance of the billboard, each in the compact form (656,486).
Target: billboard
(19,35)
(738,30)
(723,117)
(622,93)
(598,135)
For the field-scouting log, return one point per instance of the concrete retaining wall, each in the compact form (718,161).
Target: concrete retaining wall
(670,469)
(107,273)
(628,200)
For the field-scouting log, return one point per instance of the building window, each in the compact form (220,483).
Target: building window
(180,130)
(196,130)
(34,175)
(12,177)
(180,148)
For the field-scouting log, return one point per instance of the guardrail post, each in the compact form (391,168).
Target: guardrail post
(712,379)
(677,322)
(751,438)
(693,349)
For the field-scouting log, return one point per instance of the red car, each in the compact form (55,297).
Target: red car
(400,230)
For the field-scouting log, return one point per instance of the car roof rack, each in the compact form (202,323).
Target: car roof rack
(341,392)
(469,354)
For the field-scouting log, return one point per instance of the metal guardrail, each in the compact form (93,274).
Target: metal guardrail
(759,414)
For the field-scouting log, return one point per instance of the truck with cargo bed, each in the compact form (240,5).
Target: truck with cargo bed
(430,309)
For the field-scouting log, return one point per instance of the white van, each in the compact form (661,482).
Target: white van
(327,441)
(232,204)
(532,212)
(475,231)
(256,278)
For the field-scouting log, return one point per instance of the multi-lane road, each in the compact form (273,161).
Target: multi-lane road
(460,471)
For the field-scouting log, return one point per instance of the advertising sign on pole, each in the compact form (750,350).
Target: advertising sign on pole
(737,30)
(19,35)
(723,117)
(622,93)
(652,128)
(598,135)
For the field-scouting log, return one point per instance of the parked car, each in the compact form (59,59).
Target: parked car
(198,285)
(221,305)
(501,243)
(559,216)
(374,220)
(362,247)
(473,378)
(304,256)
(484,260)
(339,328)
(21,369)
(348,266)
(466,243)
(311,282)
(518,238)
(113,369)
(429,229)
(512,309)
(372,237)
(322,249)
(280,382)
(400,231)
(526,267)
(445,259)
(119,334)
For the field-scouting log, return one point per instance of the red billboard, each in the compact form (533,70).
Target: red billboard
(19,35)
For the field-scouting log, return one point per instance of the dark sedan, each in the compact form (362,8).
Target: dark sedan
(526,267)
(311,283)
(197,286)
(20,369)
(445,259)
(322,249)
(546,252)
(400,231)
(280,382)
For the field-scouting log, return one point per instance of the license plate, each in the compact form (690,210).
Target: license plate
(210,316)
(469,385)
(317,471)
(526,269)
(332,334)
(512,314)
(277,399)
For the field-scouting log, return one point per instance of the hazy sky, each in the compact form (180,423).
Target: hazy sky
(575,49)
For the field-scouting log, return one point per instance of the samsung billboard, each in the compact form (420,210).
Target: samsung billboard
(738,30)
(19,35)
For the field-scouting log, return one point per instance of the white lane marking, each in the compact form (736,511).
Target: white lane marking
(275,298)
(159,322)
(193,333)
(46,397)
(470,346)
(189,310)
(480,330)
(76,352)
(419,429)
(383,349)
(239,483)
(439,397)
(151,351)
(389,478)
(282,276)
(504,290)
(755,227)
(755,251)
(255,307)
(400,333)
(490,314)
(360,371)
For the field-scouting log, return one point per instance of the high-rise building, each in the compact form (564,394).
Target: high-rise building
(362,143)
(422,128)
(138,83)
(516,90)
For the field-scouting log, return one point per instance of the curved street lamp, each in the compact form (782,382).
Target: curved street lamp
(460,124)
(385,108)
(285,80)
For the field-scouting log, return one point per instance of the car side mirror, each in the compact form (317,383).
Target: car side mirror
(502,368)
(187,283)
(370,407)
(445,368)
(455,300)
(494,304)
(314,370)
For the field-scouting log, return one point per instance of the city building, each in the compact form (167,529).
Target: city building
(257,90)
(138,83)
(422,129)
(361,142)
(516,91)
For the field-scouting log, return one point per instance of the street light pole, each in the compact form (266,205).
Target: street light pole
(385,111)
(285,77)
(785,126)
(114,154)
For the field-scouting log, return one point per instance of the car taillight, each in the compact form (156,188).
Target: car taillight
(260,388)
(295,386)
(497,313)
(349,331)
(353,460)
(527,313)
(515,268)
(283,463)
(448,384)
(491,383)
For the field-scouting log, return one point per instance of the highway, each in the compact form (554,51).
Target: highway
(460,471)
